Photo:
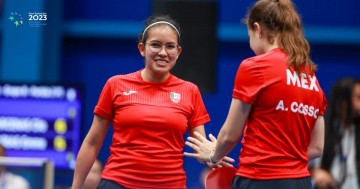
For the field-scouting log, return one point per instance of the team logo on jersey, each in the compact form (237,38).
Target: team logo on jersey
(175,97)
(127,93)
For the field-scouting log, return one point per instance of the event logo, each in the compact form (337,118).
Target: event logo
(16,18)
(37,19)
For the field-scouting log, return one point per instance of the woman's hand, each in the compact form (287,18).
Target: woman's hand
(323,179)
(204,149)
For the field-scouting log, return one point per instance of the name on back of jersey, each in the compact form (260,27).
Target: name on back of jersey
(305,82)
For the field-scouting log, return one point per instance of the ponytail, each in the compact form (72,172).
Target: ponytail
(281,19)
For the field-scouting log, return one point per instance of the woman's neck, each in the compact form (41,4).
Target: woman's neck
(271,46)
(152,77)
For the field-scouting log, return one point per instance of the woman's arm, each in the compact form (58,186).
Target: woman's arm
(200,129)
(228,137)
(232,129)
(89,150)
(316,145)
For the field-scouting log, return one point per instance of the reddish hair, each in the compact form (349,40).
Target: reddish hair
(280,18)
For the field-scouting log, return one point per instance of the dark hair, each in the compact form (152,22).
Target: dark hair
(157,18)
(340,104)
(338,115)
(279,17)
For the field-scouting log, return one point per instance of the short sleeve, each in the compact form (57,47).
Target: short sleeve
(104,107)
(248,82)
(324,105)
(199,115)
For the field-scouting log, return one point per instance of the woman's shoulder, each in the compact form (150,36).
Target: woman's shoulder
(128,76)
(275,52)
(178,82)
(276,55)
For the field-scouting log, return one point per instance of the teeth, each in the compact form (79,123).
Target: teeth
(161,62)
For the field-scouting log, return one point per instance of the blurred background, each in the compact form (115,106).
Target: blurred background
(82,43)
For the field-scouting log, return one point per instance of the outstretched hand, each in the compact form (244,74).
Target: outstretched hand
(203,149)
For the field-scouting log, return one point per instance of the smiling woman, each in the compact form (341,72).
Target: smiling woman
(159,60)
(151,110)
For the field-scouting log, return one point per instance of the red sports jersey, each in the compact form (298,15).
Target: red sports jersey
(285,106)
(149,121)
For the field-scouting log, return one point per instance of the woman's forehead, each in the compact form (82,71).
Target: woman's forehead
(161,28)
(162,31)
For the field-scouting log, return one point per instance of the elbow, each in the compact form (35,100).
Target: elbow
(318,153)
(319,150)
(315,152)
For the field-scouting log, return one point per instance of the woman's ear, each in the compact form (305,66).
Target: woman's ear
(141,48)
(179,51)
(258,29)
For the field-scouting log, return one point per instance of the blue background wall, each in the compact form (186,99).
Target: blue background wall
(87,41)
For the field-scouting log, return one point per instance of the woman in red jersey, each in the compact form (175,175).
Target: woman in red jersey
(277,105)
(150,110)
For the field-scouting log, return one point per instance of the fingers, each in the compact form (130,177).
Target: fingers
(200,137)
(226,164)
(196,144)
(194,140)
(220,164)
(212,166)
(212,138)
(192,145)
(228,159)
(191,154)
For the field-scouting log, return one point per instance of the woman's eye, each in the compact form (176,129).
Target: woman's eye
(170,46)
(155,45)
